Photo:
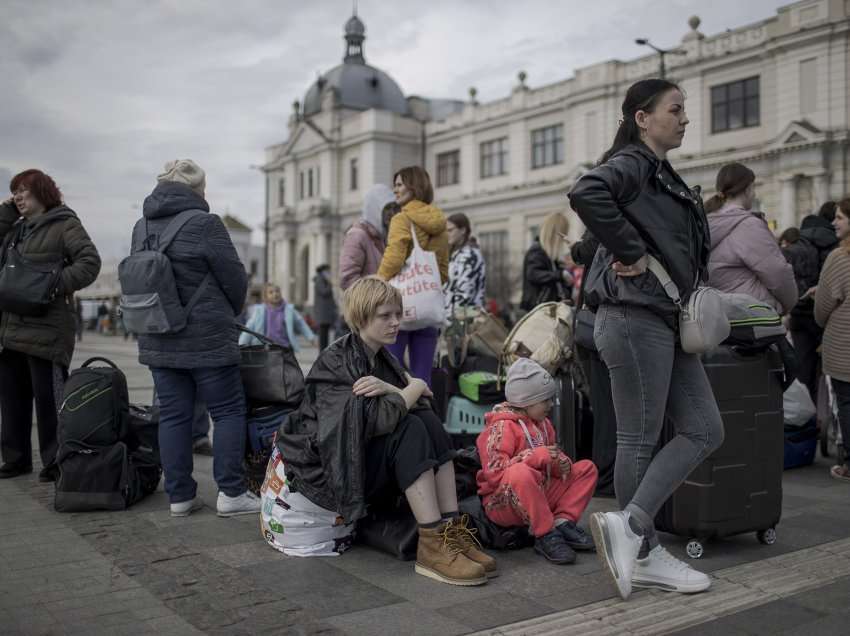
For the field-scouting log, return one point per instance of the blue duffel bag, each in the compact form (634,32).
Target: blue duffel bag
(800,444)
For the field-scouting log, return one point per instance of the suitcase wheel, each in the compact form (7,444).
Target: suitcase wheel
(767,537)
(695,549)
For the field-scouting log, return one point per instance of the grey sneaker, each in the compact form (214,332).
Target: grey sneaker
(185,508)
(617,547)
(245,504)
(663,571)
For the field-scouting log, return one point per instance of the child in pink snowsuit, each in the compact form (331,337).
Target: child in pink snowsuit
(525,478)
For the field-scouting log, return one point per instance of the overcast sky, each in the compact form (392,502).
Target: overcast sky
(100,94)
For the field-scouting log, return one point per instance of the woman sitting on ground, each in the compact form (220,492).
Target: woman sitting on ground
(366,431)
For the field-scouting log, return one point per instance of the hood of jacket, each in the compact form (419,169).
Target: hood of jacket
(169,198)
(502,412)
(723,221)
(428,218)
(377,197)
(61,211)
(822,237)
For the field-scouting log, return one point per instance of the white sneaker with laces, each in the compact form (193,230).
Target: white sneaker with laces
(245,504)
(663,571)
(185,508)
(617,547)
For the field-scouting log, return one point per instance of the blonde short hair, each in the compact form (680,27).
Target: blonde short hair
(360,302)
(552,232)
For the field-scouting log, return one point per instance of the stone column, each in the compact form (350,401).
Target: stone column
(821,187)
(787,202)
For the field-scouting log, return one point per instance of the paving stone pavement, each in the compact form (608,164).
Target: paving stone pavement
(140,571)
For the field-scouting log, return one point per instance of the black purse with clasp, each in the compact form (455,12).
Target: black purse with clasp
(27,288)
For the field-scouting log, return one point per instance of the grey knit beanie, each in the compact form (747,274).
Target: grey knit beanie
(185,171)
(528,383)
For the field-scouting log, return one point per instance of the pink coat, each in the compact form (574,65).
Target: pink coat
(746,259)
(362,249)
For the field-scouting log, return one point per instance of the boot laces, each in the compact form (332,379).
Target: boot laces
(465,534)
(452,541)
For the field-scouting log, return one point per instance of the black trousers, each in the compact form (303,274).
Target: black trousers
(324,337)
(807,337)
(24,378)
(393,462)
(604,424)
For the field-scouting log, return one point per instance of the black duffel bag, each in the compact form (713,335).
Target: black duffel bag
(270,372)
(27,288)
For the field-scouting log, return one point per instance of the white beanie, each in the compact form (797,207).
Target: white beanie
(185,171)
(528,383)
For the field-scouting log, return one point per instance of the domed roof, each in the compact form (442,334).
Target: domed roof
(357,85)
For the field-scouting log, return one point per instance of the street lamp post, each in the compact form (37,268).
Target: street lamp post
(662,69)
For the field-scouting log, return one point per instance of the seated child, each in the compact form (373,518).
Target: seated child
(526,479)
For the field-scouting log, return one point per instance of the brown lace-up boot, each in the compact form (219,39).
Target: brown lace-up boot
(440,557)
(472,546)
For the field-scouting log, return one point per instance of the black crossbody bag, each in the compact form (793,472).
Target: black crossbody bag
(27,288)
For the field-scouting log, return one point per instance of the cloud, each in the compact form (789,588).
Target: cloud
(100,95)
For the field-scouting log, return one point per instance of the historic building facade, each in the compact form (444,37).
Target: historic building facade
(774,95)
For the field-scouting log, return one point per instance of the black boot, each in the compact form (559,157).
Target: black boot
(553,546)
(8,471)
(575,537)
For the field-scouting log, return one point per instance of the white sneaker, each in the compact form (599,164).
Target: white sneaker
(185,508)
(617,547)
(663,571)
(245,504)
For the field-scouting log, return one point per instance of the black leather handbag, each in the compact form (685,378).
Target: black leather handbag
(270,372)
(27,288)
(583,330)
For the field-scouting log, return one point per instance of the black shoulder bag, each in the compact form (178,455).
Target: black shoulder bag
(27,288)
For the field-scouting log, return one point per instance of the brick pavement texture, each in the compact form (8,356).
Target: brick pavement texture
(140,571)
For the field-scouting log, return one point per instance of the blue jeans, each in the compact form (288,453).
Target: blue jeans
(421,345)
(651,377)
(220,388)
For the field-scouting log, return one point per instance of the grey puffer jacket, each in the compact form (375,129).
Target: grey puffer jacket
(203,245)
(56,235)
(746,259)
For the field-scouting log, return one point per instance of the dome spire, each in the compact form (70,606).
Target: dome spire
(355,33)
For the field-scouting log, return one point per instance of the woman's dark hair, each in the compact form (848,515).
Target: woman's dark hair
(732,180)
(827,211)
(643,95)
(40,185)
(461,221)
(416,180)
(790,236)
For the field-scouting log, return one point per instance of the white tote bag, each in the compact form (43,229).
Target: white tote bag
(421,289)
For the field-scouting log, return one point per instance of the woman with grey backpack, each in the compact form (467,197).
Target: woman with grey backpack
(190,341)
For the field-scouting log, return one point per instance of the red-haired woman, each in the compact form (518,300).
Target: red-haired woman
(35,351)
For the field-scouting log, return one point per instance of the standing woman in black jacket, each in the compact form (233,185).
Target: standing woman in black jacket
(637,205)
(35,351)
(544,278)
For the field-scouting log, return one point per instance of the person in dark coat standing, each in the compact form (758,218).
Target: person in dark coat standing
(324,306)
(201,362)
(35,351)
(544,278)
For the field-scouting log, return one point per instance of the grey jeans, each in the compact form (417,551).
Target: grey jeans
(652,378)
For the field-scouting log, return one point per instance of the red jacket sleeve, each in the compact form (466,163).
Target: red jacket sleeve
(561,467)
(500,446)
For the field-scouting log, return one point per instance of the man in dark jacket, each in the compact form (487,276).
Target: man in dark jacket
(200,362)
(324,306)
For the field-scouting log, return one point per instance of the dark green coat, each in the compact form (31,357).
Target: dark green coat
(56,234)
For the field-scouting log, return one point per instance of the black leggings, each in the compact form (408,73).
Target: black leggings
(393,462)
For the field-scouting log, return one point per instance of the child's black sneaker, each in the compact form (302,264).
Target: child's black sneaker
(553,546)
(576,537)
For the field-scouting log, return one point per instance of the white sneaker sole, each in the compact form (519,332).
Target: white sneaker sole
(185,513)
(237,513)
(431,574)
(687,588)
(599,530)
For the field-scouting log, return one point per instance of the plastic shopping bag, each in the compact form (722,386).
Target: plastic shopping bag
(293,524)
(421,289)
(797,405)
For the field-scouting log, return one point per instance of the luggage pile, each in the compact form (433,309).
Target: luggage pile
(108,456)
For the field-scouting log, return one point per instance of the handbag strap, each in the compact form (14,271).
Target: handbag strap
(263,339)
(670,288)
(414,237)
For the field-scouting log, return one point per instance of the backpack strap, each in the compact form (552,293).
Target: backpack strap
(176,224)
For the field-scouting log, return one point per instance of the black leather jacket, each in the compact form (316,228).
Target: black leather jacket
(635,203)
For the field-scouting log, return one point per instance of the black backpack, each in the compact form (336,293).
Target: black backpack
(108,455)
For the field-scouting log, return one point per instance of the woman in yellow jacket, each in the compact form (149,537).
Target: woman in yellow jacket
(413,191)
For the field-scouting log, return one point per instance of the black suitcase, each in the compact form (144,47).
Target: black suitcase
(738,488)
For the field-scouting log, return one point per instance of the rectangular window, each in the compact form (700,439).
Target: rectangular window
(735,105)
(352,174)
(547,146)
(301,185)
(310,183)
(494,158)
(496,253)
(281,192)
(448,168)
(808,86)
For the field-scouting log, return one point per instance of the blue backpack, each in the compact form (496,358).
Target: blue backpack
(150,302)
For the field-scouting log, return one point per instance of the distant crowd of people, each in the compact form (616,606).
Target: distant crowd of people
(369,390)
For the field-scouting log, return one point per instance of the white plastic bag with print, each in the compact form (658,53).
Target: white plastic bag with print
(797,404)
(293,524)
(421,289)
